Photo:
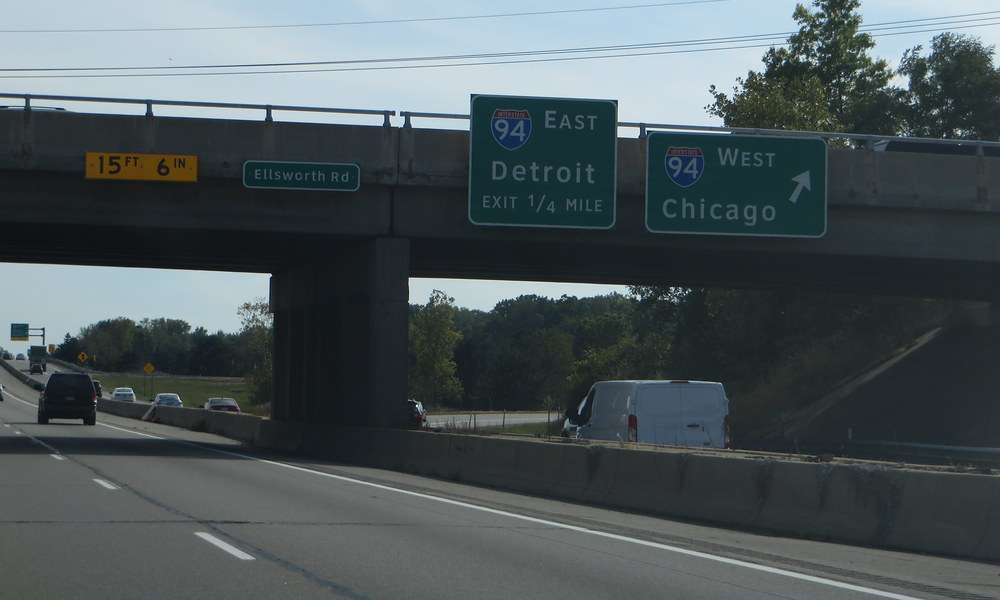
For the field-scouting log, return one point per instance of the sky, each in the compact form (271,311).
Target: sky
(664,88)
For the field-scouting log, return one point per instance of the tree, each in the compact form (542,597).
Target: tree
(69,349)
(433,338)
(112,341)
(824,79)
(257,338)
(954,91)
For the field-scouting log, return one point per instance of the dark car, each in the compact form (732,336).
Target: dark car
(223,405)
(416,415)
(68,396)
(8,356)
(36,369)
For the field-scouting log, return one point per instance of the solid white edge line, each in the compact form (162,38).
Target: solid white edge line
(58,457)
(16,432)
(556,524)
(211,539)
(104,484)
(134,432)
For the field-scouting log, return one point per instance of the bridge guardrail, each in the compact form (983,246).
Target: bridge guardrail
(644,128)
(149,103)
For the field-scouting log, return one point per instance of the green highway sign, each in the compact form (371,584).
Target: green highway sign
(19,332)
(303,176)
(739,185)
(543,162)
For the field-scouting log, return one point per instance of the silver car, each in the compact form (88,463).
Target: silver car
(168,399)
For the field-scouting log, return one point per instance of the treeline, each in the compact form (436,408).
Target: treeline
(774,350)
(172,346)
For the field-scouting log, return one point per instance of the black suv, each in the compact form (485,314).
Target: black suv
(68,396)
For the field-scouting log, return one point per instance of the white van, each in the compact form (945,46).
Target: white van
(681,413)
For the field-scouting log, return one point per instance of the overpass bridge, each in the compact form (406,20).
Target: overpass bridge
(898,223)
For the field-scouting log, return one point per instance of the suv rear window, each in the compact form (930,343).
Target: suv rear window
(69,383)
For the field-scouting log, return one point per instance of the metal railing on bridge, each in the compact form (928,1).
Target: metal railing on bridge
(149,104)
(868,140)
(644,128)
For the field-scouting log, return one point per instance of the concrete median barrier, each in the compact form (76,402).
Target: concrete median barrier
(22,377)
(131,410)
(235,426)
(188,418)
(955,514)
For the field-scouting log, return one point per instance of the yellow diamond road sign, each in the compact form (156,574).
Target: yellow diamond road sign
(82,357)
(149,368)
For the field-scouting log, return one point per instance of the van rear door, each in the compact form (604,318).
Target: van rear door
(704,408)
(659,414)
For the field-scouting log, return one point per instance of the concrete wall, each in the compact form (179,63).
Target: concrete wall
(25,379)
(866,504)
(340,337)
(898,223)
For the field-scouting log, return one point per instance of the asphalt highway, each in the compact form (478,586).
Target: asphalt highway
(128,509)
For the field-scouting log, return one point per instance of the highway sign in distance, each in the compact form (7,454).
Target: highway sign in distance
(19,332)
(272,175)
(736,185)
(543,162)
(148,368)
(128,166)
(82,357)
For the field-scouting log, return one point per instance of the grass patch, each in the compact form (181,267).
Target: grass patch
(194,391)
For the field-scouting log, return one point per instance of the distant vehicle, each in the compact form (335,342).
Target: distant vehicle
(222,404)
(35,368)
(38,355)
(168,399)
(416,415)
(955,148)
(68,396)
(7,356)
(671,412)
(123,394)
(20,356)
(98,389)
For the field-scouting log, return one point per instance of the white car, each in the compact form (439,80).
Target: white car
(123,394)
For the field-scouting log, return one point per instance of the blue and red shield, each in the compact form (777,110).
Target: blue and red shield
(511,128)
(684,165)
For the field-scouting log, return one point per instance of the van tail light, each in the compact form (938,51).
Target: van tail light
(633,428)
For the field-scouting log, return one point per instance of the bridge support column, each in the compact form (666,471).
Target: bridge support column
(340,336)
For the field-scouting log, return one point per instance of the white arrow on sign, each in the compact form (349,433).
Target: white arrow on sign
(804,180)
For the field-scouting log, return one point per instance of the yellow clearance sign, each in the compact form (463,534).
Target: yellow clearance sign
(141,167)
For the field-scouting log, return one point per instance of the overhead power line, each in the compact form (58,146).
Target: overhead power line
(523,57)
(776,37)
(535,13)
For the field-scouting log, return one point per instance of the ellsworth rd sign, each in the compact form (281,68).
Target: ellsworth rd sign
(740,185)
(302,176)
(542,162)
